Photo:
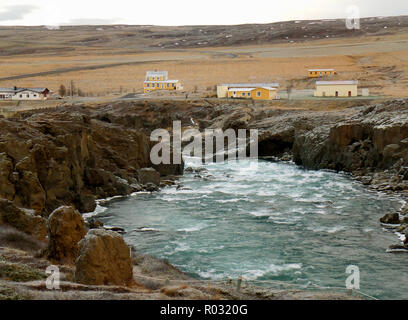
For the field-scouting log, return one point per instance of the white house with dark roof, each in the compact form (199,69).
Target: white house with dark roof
(16,93)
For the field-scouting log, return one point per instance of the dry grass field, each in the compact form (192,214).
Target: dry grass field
(112,60)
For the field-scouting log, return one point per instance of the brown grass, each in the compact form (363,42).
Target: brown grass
(381,64)
(19,272)
(176,291)
(11,237)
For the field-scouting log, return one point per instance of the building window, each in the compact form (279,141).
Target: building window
(249,94)
(243,94)
(258,93)
(173,85)
(21,95)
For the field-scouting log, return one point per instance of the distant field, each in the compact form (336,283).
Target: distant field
(106,61)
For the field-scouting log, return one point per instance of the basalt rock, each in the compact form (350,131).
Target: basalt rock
(64,157)
(22,219)
(148,175)
(65,227)
(391,218)
(93,223)
(151,187)
(104,259)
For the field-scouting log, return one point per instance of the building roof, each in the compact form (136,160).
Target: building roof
(348,82)
(15,90)
(156,73)
(251,85)
(250,89)
(240,89)
(321,70)
(161,81)
(9,90)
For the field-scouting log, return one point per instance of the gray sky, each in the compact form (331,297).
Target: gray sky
(186,12)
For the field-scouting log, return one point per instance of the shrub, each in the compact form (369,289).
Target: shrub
(7,293)
(19,272)
(11,237)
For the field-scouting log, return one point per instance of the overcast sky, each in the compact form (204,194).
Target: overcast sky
(186,12)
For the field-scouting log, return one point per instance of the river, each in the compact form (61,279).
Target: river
(267,221)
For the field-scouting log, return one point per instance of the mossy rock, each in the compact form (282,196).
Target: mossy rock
(19,272)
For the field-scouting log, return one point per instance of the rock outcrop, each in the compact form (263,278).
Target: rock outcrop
(148,175)
(23,220)
(372,139)
(70,156)
(391,218)
(103,259)
(66,228)
(369,141)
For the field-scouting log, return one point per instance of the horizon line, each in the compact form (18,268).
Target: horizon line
(198,25)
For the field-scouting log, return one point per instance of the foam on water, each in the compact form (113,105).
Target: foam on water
(270,221)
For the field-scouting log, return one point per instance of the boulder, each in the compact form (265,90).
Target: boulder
(151,187)
(103,259)
(391,218)
(94,223)
(169,169)
(148,175)
(65,227)
(22,219)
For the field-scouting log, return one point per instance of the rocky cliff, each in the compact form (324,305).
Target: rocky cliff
(368,141)
(71,154)
(48,159)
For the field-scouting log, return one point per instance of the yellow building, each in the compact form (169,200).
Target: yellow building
(317,73)
(222,89)
(158,80)
(336,89)
(260,93)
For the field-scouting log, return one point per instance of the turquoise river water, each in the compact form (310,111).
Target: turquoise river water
(273,221)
